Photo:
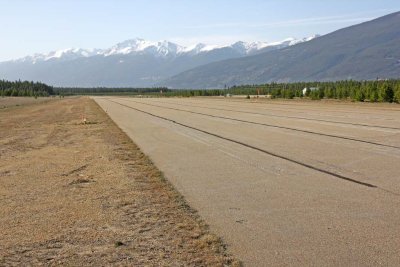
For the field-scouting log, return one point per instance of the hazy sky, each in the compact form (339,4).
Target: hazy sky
(33,26)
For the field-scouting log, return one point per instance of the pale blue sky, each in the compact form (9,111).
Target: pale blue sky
(41,26)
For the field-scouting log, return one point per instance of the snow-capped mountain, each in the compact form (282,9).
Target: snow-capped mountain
(64,54)
(163,48)
(158,49)
(135,62)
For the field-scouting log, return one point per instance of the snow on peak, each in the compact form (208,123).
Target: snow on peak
(127,47)
(64,54)
(246,48)
(160,49)
(141,46)
(193,49)
(293,41)
(70,53)
(166,48)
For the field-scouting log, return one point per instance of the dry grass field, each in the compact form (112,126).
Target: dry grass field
(6,102)
(82,194)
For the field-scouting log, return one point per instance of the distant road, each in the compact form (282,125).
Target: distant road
(284,183)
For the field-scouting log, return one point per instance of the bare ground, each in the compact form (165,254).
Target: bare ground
(84,194)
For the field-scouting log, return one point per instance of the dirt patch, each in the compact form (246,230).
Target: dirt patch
(83,194)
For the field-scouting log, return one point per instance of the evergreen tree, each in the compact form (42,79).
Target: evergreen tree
(386,93)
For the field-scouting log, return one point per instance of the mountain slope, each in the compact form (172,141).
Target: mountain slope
(135,62)
(364,51)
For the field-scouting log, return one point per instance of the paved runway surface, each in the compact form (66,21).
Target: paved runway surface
(283,182)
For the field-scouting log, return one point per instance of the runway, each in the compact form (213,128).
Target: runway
(282,182)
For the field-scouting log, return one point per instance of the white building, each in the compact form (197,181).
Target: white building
(311,89)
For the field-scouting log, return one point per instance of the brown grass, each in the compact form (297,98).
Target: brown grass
(84,194)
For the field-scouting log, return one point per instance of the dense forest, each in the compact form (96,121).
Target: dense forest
(24,88)
(109,91)
(372,91)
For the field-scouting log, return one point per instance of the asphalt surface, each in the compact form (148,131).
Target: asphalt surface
(282,182)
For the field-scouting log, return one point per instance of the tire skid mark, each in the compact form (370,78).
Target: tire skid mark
(254,148)
(296,105)
(291,117)
(274,126)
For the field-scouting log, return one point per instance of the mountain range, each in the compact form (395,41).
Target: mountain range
(135,62)
(365,51)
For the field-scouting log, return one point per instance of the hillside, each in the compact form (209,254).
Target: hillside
(364,51)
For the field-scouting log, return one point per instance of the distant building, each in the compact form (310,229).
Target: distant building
(309,89)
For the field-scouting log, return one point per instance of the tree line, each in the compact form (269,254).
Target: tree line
(371,91)
(109,90)
(24,88)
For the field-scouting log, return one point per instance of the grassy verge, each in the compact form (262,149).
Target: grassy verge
(84,194)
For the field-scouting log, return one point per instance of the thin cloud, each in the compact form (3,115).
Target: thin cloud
(355,17)
(311,21)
